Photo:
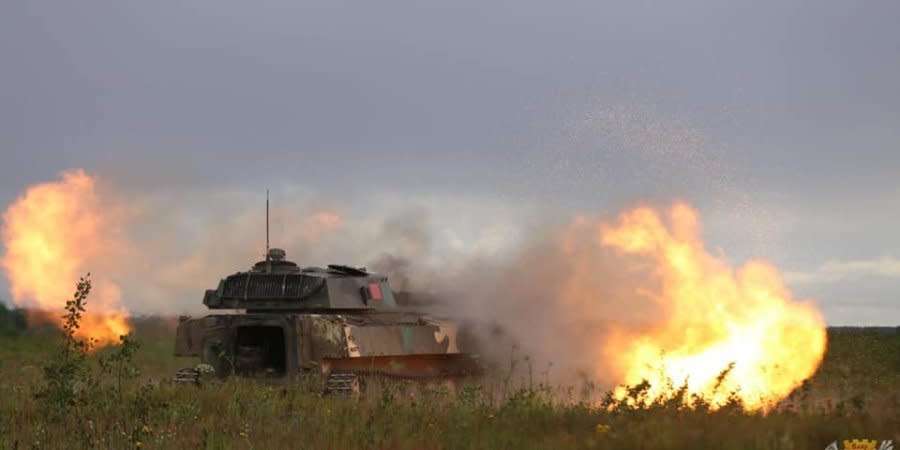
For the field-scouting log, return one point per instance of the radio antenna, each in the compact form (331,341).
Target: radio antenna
(267,224)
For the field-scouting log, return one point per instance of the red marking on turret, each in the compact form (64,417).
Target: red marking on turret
(375,291)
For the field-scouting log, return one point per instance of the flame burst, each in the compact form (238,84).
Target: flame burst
(716,317)
(53,234)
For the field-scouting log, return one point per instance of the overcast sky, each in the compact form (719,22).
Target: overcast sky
(779,120)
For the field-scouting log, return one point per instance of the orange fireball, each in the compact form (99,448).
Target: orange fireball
(716,317)
(53,234)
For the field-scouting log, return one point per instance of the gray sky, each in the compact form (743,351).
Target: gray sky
(777,119)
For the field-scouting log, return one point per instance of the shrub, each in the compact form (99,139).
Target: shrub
(67,376)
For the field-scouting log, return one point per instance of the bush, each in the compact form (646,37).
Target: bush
(67,376)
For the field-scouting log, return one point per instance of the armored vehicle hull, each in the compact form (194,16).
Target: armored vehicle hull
(339,323)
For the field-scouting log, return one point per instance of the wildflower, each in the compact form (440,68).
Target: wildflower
(491,416)
(145,429)
(603,428)
(137,444)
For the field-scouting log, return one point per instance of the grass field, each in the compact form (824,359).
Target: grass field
(855,394)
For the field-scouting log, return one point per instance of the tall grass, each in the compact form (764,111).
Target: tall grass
(241,414)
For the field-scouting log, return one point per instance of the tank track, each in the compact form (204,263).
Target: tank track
(187,375)
(194,374)
(344,384)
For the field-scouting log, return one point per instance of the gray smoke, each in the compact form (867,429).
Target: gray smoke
(554,298)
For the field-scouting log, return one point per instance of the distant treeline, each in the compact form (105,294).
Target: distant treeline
(12,321)
(849,329)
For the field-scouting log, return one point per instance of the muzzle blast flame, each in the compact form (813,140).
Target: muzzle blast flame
(741,321)
(53,234)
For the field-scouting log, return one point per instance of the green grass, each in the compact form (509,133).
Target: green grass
(855,394)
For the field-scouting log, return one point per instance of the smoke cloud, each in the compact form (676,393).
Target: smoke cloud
(518,304)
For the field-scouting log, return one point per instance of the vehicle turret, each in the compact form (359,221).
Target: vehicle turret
(277,284)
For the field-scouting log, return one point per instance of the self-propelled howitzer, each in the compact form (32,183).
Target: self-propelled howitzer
(341,323)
